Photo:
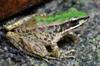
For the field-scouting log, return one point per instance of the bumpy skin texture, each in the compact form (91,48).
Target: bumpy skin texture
(10,7)
(43,38)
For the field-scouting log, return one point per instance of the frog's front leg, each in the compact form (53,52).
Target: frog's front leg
(59,53)
(55,50)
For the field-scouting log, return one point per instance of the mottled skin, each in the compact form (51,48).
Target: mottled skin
(42,40)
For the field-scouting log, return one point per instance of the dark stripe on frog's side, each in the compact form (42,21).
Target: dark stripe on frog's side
(63,26)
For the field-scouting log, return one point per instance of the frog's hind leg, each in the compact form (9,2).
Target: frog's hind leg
(14,25)
(28,20)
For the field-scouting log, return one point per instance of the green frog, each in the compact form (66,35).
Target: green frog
(41,40)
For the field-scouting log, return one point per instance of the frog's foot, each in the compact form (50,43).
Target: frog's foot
(62,55)
(48,58)
(65,54)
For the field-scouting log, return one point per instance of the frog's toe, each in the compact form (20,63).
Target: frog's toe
(68,56)
(70,51)
(65,54)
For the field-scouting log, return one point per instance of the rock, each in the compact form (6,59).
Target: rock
(11,7)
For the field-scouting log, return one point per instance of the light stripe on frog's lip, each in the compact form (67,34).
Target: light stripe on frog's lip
(65,26)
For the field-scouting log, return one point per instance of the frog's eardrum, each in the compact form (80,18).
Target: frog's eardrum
(11,7)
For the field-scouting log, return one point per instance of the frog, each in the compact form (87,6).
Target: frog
(41,40)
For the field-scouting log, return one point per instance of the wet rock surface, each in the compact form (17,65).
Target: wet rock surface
(87,51)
